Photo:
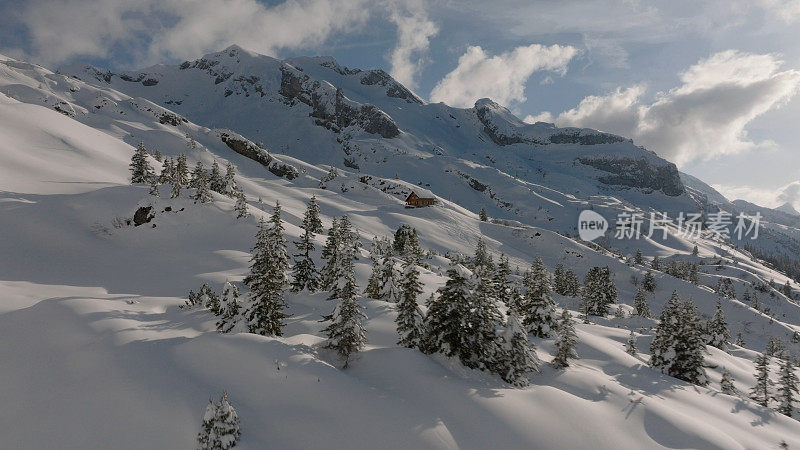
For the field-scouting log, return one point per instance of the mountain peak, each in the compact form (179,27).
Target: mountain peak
(788,209)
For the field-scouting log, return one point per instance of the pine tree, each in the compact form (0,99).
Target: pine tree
(538,307)
(693,276)
(331,271)
(447,313)
(717,334)
(481,326)
(230,308)
(267,278)
(241,203)
(229,182)
(656,264)
(482,260)
(312,215)
(630,344)
(406,244)
(761,392)
(640,303)
(638,259)
(409,318)
(695,251)
(518,356)
(740,340)
(599,291)
(373,289)
(154,187)
(181,175)
(787,289)
(649,282)
(727,385)
(482,214)
(200,182)
(345,332)
(787,388)
(215,181)
(678,347)
(304,272)
(566,341)
(167,172)
(572,284)
(389,280)
(158,156)
(176,186)
(502,284)
(209,299)
(140,167)
(220,429)
(197,174)
(559,280)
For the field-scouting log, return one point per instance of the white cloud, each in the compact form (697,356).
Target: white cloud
(770,198)
(704,117)
(414,31)
(502,77)
(545,116)
(154,30)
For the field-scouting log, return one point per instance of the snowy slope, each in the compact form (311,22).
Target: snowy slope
(98,354)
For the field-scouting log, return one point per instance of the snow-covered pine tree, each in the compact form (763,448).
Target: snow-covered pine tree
(200,180)
(481,326)
(630,344)
(678,347)
(518,356)
(182,171)
(559,280)
(220,429)
(649,282)
(140,167)
(482,214)
(787,388)
(229,182)
(599,291)
(502,284)
(640,303)
(373,289)
(304,272)
(389,281)
(331,270)
(787,289)
(572,284)
(740,340)
(726,384)
(267,278)
(197,174)
(447,314)
(167,172)
(538,307)
(230,308)
(409,318)
(638,259)
(693,276)
(656,264)
(482,259)
(209,299)
(215,181)
(312,215)
(566,341)
(158,156)
(717,334)
(346,333)
(761,392)
(241,203)
(154,187)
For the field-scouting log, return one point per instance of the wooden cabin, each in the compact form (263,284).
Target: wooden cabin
(415,201)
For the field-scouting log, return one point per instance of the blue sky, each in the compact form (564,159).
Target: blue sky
(710,85)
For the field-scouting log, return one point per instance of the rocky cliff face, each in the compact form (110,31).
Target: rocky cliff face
(638,173)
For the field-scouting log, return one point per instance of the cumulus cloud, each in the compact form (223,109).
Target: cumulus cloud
(545,116)
(704,117)
(501,77)
(789,193)
(155,30)
(414,31)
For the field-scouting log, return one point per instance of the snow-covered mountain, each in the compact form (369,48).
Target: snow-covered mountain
(97,351)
